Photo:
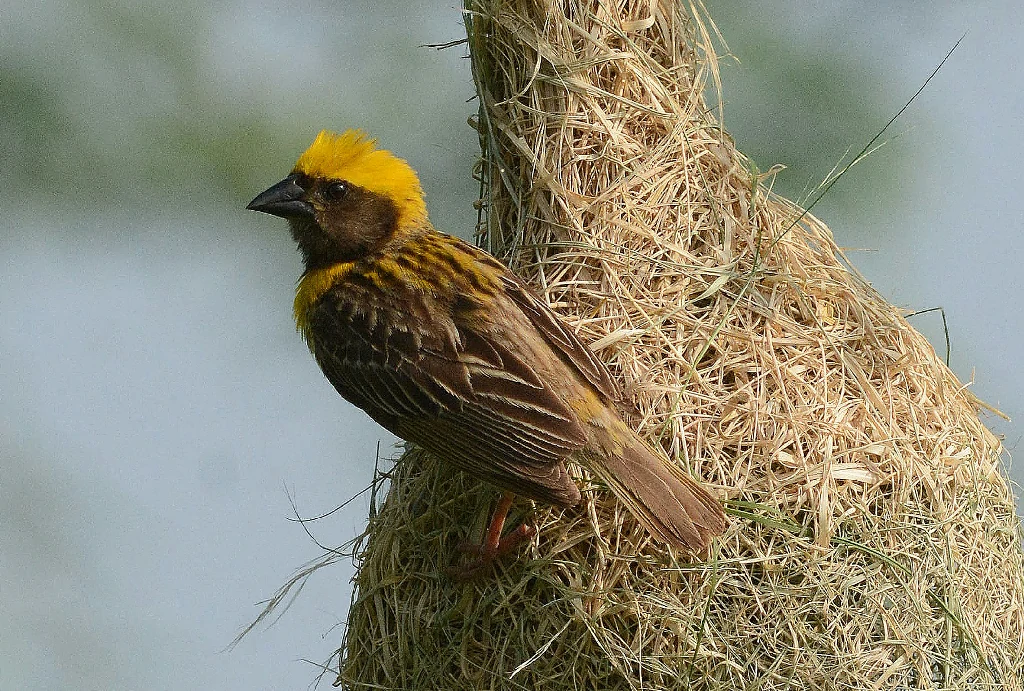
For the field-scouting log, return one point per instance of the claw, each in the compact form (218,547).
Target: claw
(494,545)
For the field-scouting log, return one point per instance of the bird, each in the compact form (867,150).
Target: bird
(447,348)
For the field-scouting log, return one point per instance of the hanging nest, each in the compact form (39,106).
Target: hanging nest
(873,540)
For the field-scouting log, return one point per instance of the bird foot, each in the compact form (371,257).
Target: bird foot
(494,545)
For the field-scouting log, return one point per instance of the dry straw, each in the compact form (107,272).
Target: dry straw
(873,541)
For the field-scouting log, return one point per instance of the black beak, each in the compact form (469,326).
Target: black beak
(285,199)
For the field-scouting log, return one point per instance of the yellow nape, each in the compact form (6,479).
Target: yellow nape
(354,157)
(311,288)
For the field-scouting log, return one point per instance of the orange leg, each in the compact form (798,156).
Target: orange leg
(494,545)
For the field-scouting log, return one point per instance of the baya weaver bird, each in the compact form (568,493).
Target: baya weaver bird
(445,347)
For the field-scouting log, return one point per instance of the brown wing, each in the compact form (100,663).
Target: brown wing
(455,390)
(574,352)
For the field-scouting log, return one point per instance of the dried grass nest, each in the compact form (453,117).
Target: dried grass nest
(873,542)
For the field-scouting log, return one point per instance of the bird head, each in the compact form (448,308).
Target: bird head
(345,199)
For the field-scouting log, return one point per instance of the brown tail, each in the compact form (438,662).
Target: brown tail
(666,501)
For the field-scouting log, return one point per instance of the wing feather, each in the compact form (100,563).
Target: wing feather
(560,336)
(466,395)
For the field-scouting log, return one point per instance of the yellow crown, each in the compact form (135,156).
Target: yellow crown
(354,157)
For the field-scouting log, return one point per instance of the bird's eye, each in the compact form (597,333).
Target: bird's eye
(336,191)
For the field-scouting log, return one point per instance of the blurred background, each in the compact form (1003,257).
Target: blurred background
(158,413)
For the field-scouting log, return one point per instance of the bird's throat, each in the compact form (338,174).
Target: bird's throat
(311,288)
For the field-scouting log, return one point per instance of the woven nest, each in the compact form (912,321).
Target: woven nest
(873,540)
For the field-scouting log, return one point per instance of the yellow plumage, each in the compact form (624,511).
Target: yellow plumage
(354,157)
(311,288)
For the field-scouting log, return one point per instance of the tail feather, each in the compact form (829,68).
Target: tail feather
(668,503)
